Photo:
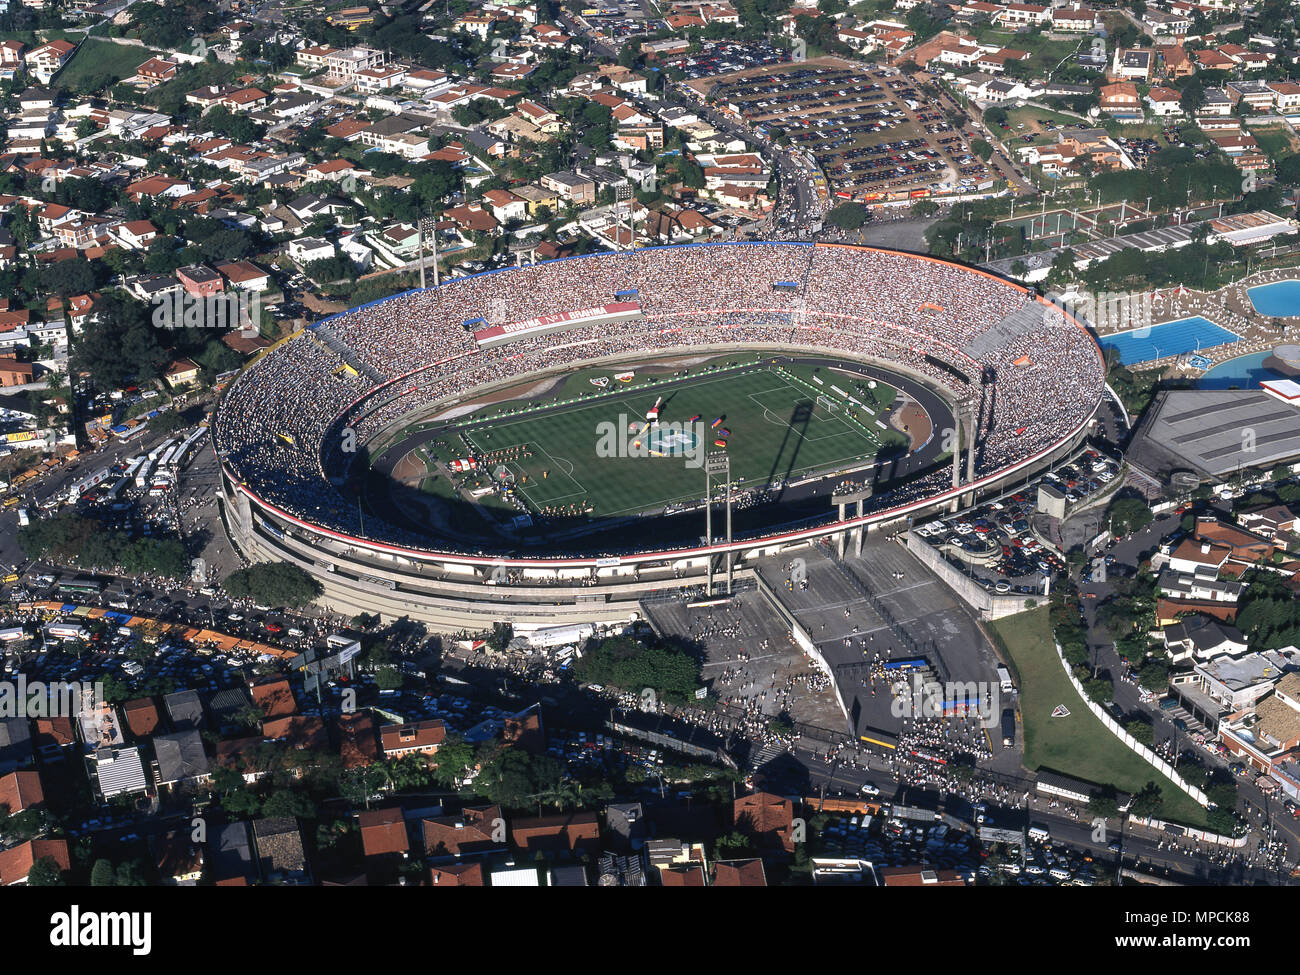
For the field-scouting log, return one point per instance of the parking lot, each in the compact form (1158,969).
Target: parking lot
(616,23)
(874,134)
(890,842)
(993,542)
(722,57)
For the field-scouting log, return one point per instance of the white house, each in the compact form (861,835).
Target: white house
(308,249)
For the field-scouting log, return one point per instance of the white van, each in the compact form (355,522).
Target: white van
(1039,833)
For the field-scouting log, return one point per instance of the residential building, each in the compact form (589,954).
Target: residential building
(412,738)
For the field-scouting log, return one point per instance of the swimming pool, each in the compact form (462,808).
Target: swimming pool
(1243,372)
(1281,299)
(1168,338)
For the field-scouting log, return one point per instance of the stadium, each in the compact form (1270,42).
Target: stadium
(543,443)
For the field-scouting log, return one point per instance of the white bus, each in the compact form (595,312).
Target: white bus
(161,448)
(184,449)
(86,483)
(66,631)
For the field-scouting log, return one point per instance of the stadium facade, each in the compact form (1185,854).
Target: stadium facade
(1024,377)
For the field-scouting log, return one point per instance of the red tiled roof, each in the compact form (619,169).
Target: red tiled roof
(383,831)
(16,863)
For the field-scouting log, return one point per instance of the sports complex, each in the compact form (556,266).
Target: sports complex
(546,444)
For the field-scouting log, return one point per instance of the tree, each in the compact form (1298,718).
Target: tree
(72,277)
(781,725)
(690,173)
(849,216)
(62,538)
(625,663)
(1103,805)
(1129,514)
(1222,793)
(1101,691)
(1148,801)
(156,556)
(24,826)
(46,872)
(388,679)
(1288,170)
(514,778)
(1154,675)
(276,583)
(286,802)
(234,125)
(130,873)
(329,270)
(101,874)
(122,345)
(1142,731)
(732,846)
(1268,613)
(1224,822)
(455,757)
(228,245)
(1193,96)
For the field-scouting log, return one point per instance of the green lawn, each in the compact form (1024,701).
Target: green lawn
(1274,141)
(779,429)
(1033,118)
(578,384)
(97,59)
(1078,745)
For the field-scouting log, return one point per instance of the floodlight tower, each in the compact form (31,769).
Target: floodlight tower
(717,465)
(966,408)
(428,225)
(963,432)
(622,198)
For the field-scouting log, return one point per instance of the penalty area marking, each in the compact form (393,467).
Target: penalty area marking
(845,429)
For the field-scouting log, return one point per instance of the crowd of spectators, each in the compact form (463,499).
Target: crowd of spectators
(291,426)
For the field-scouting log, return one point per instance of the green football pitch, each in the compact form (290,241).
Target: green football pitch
(782,426)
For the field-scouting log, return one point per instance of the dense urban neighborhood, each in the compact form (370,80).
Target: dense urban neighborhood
(697,443)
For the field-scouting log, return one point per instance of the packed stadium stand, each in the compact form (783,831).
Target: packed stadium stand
(287,427)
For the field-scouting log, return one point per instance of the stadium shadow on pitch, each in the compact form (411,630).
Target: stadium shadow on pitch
(472,526)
